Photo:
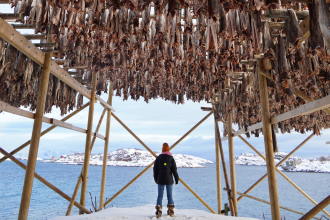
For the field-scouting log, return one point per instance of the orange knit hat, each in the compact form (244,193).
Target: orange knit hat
(165,148)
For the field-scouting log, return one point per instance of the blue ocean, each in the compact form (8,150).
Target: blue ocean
(46,204)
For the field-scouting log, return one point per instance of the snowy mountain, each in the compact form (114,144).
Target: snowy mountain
(129,157)
(293,164)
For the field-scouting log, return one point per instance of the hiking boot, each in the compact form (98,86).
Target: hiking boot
(170,210)
(158,211)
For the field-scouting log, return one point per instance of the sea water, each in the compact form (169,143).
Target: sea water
(45,203)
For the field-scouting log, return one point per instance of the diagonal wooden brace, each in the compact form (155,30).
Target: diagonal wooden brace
(151,164)
(281,173)
(44,181)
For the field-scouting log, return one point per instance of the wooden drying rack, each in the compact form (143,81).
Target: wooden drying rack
(22,43)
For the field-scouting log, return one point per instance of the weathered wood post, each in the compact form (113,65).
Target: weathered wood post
(105,153)
(217,157)
(232,165)
(33,152)
(267,133)
(88,142)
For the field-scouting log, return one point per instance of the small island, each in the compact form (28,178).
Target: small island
(293,164)
(129,157)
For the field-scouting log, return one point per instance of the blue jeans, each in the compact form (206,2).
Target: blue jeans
(169,189)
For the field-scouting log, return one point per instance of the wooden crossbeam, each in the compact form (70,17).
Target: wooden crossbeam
(308,108)
(23,26)
(13,110)
(283,13)
(45,44)
(35,36)
(44,132)
(17,40)
(9,16)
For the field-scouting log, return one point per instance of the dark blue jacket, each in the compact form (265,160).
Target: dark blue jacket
(165,169)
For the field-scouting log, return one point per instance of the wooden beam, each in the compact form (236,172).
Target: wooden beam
(105,152)
(232,164)
(45,44)
(23,26)
(307,99)
(17,111)
(308,108)
(35,36)
(283,13)
(75,192)
(33,152)
(305,109)
(311,213)
(44,181)
(267,133)
(43,132)
(9,16)
(13,37)
(218,175)
(88,142)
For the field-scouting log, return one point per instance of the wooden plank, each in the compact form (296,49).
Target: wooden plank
(308,108)
(11,109)
(9,16)
(13,37)
(67,125)
(23,26)
(35,36)
(35,139)
(305,109)
(267,133)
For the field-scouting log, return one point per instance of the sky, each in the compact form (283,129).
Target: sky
(156,122)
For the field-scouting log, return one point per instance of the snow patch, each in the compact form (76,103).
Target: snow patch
(129,157)
(293,164)
(147,213)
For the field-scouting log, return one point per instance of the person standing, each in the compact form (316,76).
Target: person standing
(164,170)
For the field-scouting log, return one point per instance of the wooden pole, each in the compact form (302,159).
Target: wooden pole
(218,177)
(232,164)
(44,132)
(33,152)
(218,137)
(311,213)
(88,142)
(44,181)
(105,153)
(267,133)
(75,192)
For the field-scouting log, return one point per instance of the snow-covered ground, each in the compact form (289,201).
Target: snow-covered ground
(293,164)
(147,213)
(129,157)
